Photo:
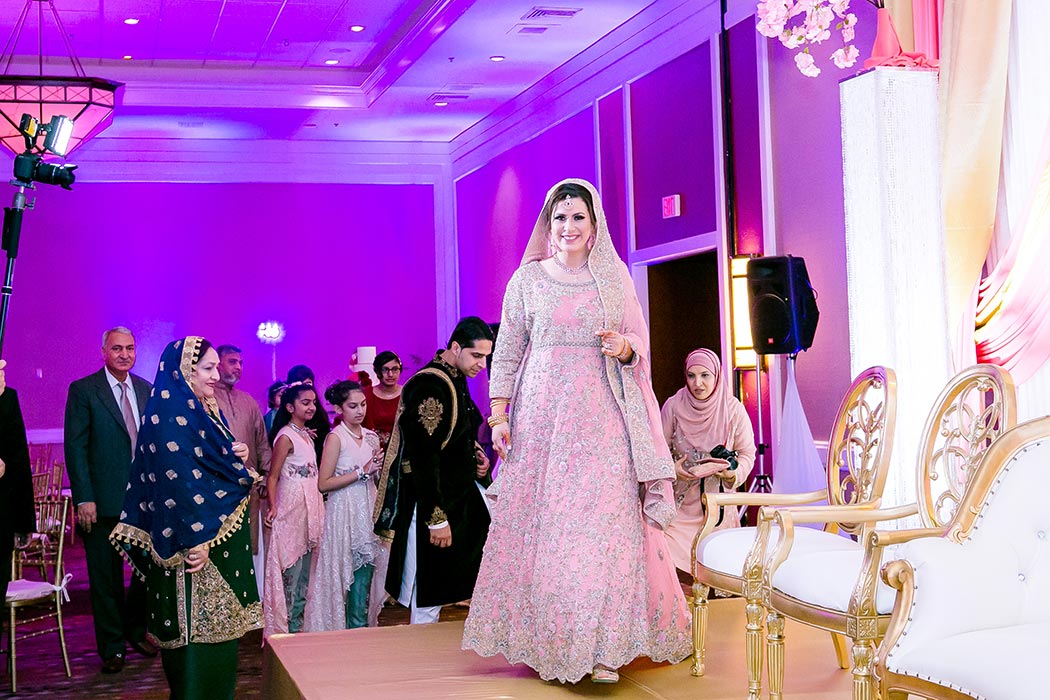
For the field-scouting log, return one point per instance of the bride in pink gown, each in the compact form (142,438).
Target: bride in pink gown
(576,577)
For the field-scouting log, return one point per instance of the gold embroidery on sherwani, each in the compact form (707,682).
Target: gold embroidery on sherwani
(430,412)
(438,517)
(216,615)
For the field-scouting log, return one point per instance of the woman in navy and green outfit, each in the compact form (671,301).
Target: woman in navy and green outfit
(183,526)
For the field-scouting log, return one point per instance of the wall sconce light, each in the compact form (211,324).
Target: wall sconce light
(744,356)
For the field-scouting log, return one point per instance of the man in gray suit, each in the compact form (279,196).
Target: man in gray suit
(103,415)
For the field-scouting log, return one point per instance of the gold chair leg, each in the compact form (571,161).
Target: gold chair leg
(863,666)
(699,601)
(753,649)
(62,635)
(775,654)
(841,650)
(11,655)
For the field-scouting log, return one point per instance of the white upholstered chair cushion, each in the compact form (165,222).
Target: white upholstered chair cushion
(726,551)
(827,578)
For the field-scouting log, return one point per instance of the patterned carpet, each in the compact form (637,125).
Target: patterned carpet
(41,675)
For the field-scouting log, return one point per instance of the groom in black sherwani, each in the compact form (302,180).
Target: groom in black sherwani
(432,502)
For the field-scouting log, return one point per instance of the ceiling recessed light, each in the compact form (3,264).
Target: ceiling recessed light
(497,59)
(357,28)
(332,62)
(131,20)
(441,103)
(127,58)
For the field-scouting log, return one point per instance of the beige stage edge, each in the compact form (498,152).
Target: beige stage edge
(425,662)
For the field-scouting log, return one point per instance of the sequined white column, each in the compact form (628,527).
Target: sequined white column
(895,249)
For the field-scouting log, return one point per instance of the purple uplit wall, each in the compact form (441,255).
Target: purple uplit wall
(338,265)
(497,206)
(612,157)
(672,117)
(810,217)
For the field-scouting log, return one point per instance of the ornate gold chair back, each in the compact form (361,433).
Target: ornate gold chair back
(976,407)
(861,440)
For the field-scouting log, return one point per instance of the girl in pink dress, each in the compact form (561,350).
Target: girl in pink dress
(702,415)
(339,588)
(296,513)
(575,578)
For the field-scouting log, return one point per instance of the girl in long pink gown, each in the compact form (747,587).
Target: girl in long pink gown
(296,514)
(576,577)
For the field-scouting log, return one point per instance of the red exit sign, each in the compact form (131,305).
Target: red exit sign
(672,206)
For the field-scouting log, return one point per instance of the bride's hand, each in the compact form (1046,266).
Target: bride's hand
(613,343)
(501,440)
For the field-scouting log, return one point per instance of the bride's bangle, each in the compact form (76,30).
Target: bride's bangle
(497,418)
(625,354)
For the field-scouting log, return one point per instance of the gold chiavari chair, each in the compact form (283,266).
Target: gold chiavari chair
(40,599)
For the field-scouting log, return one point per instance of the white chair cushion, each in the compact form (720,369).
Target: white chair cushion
(21,589)
(998,664)
(725,551)
(827,578)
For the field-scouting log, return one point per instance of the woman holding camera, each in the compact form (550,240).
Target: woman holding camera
(713,444)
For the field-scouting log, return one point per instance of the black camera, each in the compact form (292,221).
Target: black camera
(30,167)
(720,452)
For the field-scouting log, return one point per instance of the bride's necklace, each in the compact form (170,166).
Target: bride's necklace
(570,270)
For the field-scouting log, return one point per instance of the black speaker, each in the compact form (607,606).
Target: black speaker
(783,305)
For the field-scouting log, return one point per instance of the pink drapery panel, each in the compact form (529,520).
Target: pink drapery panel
(918,24)
(1013,326)
(926,19)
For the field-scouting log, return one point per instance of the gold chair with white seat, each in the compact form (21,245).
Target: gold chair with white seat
(972,615)
(858,457)
(23,594)
(837,588)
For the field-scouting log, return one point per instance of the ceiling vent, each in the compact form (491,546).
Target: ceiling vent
(447,97)
(528,29)
(551,14)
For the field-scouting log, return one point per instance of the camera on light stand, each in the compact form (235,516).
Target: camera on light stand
(29,168)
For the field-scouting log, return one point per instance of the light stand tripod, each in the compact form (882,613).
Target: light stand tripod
(12,234)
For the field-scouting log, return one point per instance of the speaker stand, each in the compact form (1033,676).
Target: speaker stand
(761,480)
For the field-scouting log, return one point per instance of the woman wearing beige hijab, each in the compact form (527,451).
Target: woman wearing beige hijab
(700,417)
(576,578)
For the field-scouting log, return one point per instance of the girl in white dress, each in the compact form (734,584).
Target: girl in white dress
(339,591)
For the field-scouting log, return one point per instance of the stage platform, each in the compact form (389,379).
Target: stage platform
(425,662)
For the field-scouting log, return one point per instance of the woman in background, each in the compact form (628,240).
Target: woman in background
(700,417)
(384,397)
(183,526)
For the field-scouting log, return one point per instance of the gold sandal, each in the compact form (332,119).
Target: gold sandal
(604,674)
